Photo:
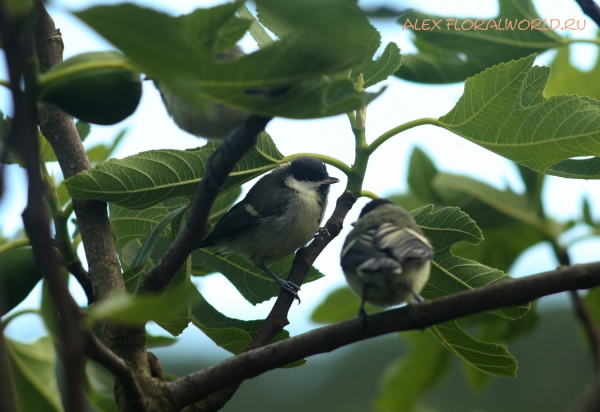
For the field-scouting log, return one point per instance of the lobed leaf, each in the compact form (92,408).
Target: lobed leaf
(449,273)
(490,358)
(450,54)
(503,110)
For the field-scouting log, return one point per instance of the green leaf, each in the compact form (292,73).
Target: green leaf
(449,273)
(153,341)
(409,377)
(534,182)
(592,300)
(138,310)
(335,25)
(83,129)
(490,358)
(379,70)
(32,370)
(449,54)
(322,97)
(488,206)
(102,152)
(502,245)
(148,178)
(421,172)
(339,305)
(408,201)
(18,275)
(99,388)
(495,329)
(181,286)
(503,110)
(181,59)
(568,79)
(587,214)
(150,240)
(254,285)
(232,335)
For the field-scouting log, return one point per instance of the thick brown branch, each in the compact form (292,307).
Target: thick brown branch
(418,316)
(590,8)
(218,167)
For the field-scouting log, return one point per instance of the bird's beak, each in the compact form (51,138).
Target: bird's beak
(330,180)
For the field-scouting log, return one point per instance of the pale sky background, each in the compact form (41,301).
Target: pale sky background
(151,128)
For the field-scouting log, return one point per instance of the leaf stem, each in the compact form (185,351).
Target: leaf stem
(5,83)
(15,315)
(589,41)
(369,194)
(347,170)
(399,129)
(14,245)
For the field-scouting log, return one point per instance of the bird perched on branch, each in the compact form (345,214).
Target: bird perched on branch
(280,214)
(386,257)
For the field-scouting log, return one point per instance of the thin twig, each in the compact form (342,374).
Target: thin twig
(414,317)
(590,8)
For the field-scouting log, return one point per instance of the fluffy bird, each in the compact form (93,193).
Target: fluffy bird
(386,257)
(280,214)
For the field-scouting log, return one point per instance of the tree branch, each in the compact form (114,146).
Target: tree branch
(22,137)
(585,318)
(590,8)
(218,167)
(96,351)
(414,317)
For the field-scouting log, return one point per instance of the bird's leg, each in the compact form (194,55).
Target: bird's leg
(417,297)
(283,284)
(322,231)
(362,314)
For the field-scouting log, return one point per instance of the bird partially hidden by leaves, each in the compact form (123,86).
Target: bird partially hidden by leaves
(216,121)
(386,257)
(280,214)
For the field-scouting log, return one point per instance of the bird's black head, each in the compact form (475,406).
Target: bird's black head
(308,169)
(374,204)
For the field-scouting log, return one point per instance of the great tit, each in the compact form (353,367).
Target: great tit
(385,258)
(215,123)
(280,214)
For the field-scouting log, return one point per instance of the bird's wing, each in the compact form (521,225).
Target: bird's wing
(402,244)
(260,203)
(359,250)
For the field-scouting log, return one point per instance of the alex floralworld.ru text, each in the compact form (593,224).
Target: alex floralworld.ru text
(494,24)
